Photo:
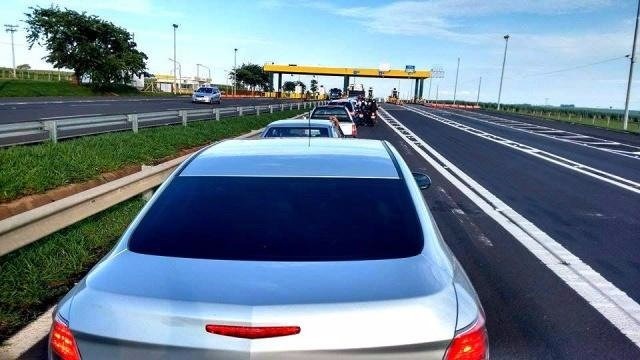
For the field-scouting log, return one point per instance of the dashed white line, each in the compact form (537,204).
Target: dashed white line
(614,304)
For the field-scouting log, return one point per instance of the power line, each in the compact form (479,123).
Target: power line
(576,67)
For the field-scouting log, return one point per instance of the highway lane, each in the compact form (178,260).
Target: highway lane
(593,219)
(623,137)
(22,110)
(531,313)
(619,164)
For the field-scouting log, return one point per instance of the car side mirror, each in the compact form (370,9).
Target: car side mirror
(423,180)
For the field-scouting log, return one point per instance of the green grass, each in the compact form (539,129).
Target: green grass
(33,278)
(29,88)
(35,88)
(600,122)
(37,168)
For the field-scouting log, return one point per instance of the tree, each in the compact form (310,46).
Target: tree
(289,86)
(23,67)
(85,43)
(251,76)
(314,86)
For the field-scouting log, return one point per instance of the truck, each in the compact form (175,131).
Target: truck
(335,93)
(355,90)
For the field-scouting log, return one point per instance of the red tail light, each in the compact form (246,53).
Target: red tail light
(62,341)
(470,344)
(251,332)
(354,130)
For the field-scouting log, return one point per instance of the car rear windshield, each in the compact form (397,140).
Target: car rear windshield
(346,104)
(205,90)
(280,219)
(297,132)
(325,113)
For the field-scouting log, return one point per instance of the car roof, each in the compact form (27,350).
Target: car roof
(300,122)
(300,157)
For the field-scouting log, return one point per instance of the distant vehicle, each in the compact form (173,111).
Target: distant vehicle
(250,250)
(302,128)
(347,125)
(335,93)
(207,94)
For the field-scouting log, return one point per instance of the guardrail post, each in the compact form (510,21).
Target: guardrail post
(240,110)
(52,127)
(133,118)
(298,106)
(183,114)
(290,106)
(257,110)
(217,114)
(270,109)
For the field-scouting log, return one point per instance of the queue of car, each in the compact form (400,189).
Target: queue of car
(300,245)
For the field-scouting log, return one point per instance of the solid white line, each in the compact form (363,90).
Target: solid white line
(26,338)
(616,180)
(614,304)
(68,116)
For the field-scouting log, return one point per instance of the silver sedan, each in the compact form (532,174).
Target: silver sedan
(278,249)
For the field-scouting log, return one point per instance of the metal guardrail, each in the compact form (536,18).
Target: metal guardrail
(54,130)
(27,227)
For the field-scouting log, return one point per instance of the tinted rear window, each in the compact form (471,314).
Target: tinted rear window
(281,219)
(205,90)
(347,104)
(297,132)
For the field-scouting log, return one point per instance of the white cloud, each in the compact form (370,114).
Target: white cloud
(440,17)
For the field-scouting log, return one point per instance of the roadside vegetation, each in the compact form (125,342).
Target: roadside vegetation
(33,88)
(33,278)
(37,168)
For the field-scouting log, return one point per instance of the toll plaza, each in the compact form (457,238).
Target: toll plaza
(409,72)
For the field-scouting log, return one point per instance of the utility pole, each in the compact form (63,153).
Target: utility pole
(12,29)
(504,59)
(429,95)
(235,70)
(437,92)
(632,61)
(455,88)
(175,80)
(479,85)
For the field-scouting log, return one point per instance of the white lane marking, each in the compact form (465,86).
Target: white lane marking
(616,180)
(86,105)
(26,338)
(614,304)
(68,116)
(548,132)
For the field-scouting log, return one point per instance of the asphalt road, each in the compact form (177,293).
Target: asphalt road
(37,109)
(531,313)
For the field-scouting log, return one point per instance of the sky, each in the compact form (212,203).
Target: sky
(559,51)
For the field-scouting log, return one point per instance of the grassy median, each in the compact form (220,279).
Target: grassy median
(33,278)
(37,168)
